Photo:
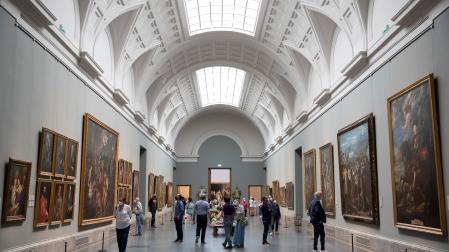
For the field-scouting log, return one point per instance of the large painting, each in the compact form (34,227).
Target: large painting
(98,172)
(69,202)
(150,185)
(42,205)
(265,191)
(276,194)
(136,186)
(170,194)
(56,202)
(358,171)
(71,156)
(290,195)
(60,152)
(15,191)
(327,179)
(159,192)
(45,160)
(282,202)
(309,176)
(416,169)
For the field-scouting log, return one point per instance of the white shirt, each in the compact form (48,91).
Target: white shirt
(252,203)
(123,217)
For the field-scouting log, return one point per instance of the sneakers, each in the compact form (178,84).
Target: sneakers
(196,239)
(265,243)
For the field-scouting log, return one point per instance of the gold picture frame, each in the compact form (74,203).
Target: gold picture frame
(56,203)
(47,139)
(59,156)
(169,192)
(327,179)
(71,159)
(415,158)
(309,176)
(42,202)
(68,206)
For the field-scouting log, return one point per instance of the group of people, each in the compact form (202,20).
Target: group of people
(234,219)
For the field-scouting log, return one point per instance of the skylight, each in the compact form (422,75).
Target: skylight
(220,85)
(222,15)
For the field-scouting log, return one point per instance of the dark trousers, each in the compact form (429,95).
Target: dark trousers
(266,226)
(122,238)
(178,224)
(275,225)
(246,210)
(201,225)
(318,231)
(153,217)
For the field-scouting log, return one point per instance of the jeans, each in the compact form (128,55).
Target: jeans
(266,226)
(239,235)
(139,221)
(179,233)
(122,238)
(228,227)
(153,217)
(201,225)
(318,231)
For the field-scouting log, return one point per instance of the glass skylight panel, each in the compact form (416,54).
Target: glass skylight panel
(220,85)
(222,15)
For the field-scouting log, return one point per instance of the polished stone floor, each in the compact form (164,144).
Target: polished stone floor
(161,239)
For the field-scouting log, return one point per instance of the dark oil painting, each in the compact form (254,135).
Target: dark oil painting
(72,156)
(309,177)
(327,179)
(69,202)
(56,202)
(46,152)
(290,195)
(60,152)
(42,204)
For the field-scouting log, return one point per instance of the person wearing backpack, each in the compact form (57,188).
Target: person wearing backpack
(317,218)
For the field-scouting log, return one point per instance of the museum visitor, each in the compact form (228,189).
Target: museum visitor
(317,218)
(122,213)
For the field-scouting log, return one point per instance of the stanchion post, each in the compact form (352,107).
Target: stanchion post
(102,244)
(352,242)
(65,246)
(285,218)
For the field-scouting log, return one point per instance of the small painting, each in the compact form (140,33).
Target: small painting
(327,179)
(69,202)
(15,192)
(358,171)
(282,202)
(170,194)
(45,163)
(42,205)
(59,161)
(71,156)
(151,190)
(136,186)
(56,202)
(309,177)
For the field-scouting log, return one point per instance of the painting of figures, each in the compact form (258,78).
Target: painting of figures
(290,195)
(327,179)
(60,151)
(151,190)
(69,202)
(98,172)
(358,172)
(136,186)
(56,202)
(309,177)
(282,202)
(416,160)
(276,194)
(42,205)
(72,156)
(46,152)
(159,192)
(15,191)
(170,194)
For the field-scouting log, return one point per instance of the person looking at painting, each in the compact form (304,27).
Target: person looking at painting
(179,217)
(201,209)
(152,205)
(122,214)
(317,218)
(276,217)
(228,221)
(266,213)
(139,216)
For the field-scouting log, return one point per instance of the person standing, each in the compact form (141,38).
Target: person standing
(201,209)
(228,220)
(317,218)
(277,217)
(239,234)
(190,209)
(139,216)
(179,217)
(152,205)
(245,205)
(252,206)
(265,211)
(122,214)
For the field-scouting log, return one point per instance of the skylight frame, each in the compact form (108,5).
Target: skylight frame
(220,85)
(231,15)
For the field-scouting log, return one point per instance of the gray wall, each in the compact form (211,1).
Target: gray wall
(219,150)
(428,54)
(36,91)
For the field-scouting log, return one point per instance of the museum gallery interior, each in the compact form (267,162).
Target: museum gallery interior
(102,100)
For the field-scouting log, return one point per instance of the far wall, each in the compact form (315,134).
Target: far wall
(219,150)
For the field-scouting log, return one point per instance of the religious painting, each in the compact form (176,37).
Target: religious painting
(129,174)
(98,172)
(309,177)
(327,179)
(185,191)
(59,161)
(282,201)
(129,194)
(276,194)
(45,160)
(42,204)
(69,202)
(15,191)
(164,194)
(56,202)
(136,186)
(265,191)
(170,194)
(121,167)
(358,171)
(290,195)
(151,190)
(71,156)
(159,192)
(121,193)
(219,184)
(415,156)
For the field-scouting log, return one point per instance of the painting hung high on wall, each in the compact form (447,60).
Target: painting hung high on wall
(136,186)
(151,185)
(42,205)
(98,172)
(60,152)
(56,202)
(358,171)
(71,156)
(15,191)
(170,194)
(309,177)
(45,160)
(69,202)
(159,192)
(290,195)
(276,194)
(282,201)
(265,191)
(416,169)
(327,179)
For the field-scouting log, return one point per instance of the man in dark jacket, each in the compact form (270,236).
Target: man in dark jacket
(152,205)
(228,220)
(179,217)
(266,212)
(277,217)
(317,218)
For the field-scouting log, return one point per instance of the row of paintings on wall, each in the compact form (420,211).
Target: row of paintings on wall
(162,190)
(125,173)
(416,170)
(283,195)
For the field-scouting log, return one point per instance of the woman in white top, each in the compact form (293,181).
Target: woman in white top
(122,214)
